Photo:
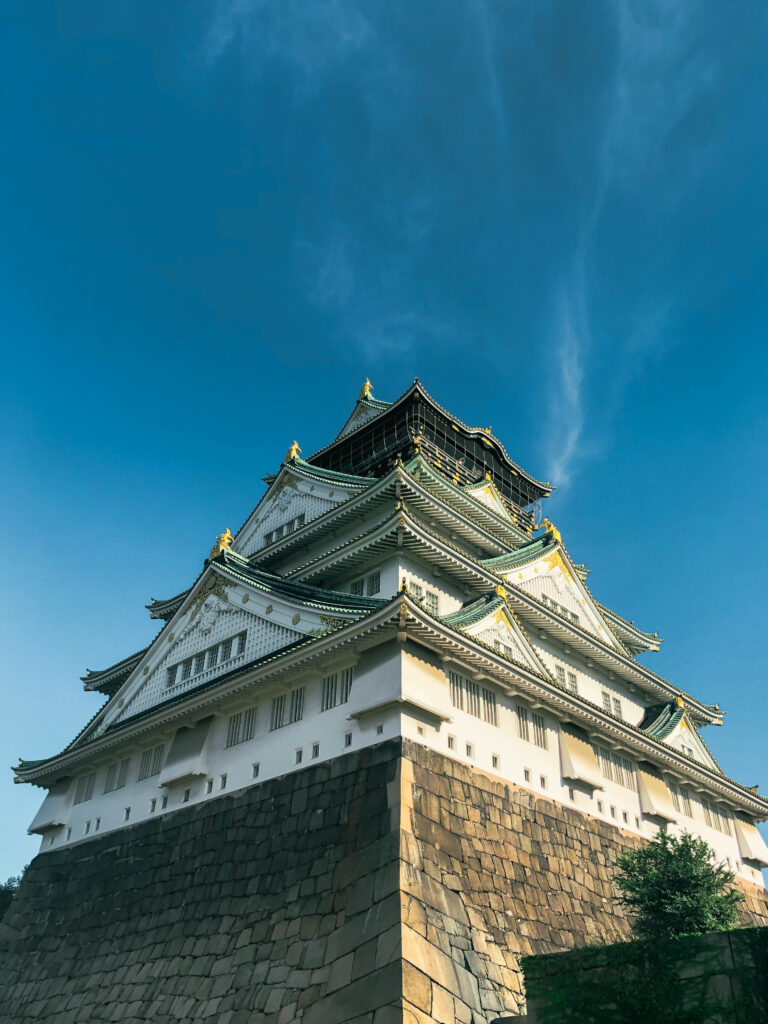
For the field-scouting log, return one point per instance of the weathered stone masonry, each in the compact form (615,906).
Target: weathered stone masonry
(392,884)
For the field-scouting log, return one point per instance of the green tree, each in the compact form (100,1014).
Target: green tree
(672,886)
(8,891)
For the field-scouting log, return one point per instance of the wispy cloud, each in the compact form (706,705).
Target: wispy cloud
(372,312)
(312,35)
(665,70)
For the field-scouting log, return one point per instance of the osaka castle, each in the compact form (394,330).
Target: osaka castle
(396,583)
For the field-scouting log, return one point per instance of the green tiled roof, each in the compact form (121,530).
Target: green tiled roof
(474,611)
(660,720)
(520,556)
(304,593)
(328,474)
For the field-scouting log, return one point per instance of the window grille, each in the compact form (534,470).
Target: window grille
(170,675)
(328,699)
(686,797)
(539,730)
(315,750)
(207,659)
(297,705)
(117,775)
(213,656)
(336,688)
(431,602)
(675,794)
(417,591)
(299,756)
(186,669)
(84,788)
(226,650)
(457,690)
(504,649)
(607,702)
(573,684)
(249,724)
(617,707)
(490,712)
(234,729)
(560,674)
(277,717)
(199,662)
(615,767)
(240,638)
(374,583)
(522,722)
(716,817)
(473,697)
(151,762)
(347,676)
(357,588)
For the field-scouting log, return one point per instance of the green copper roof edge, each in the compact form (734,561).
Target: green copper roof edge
(233,673)
(475,611)
(331,475)
(597,707)
(443,481)
(316,524)
(291,590)
(124,663)
(652,637)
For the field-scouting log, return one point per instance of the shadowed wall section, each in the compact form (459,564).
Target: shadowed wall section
(392,884)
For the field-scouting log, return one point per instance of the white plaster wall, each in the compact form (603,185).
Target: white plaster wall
(591,680)
(382,673)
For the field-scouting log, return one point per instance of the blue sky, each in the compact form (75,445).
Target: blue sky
(219,217)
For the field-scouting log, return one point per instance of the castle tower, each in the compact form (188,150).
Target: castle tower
(386,742)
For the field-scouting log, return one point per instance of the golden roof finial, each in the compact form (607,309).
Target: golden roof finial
(223,543)
(680,702)
(366,390)
(500,591)
(292,452)
(552,531)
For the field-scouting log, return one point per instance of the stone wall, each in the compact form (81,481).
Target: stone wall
(275,904)
(492,872)
(390,885)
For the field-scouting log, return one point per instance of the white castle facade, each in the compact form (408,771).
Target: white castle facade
(395,584)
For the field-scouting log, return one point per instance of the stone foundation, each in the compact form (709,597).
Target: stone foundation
(390,885)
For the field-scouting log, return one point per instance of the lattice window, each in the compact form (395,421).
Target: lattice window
(716,817)
(573,683)
(336,688)
(539,730)
(560,675)
(523,728)
(117,775)
(373,584)
(151,762)
(84,788)
(431,602)
(490,711)
(297,705)
(615,767)
(277,716)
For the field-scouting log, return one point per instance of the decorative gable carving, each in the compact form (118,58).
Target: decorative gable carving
(499,630)
(552,581)
(685,738)
(289,504)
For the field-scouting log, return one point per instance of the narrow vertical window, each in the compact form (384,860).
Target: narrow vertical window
(297,705)
(522,722)
(347,676)
(277,716)
(573,685)
(539,730)
(560,674)
(234,728)
(606,702)
(249,724)
(373,583)
(328,699)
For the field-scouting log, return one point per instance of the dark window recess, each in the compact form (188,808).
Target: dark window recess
(465,459)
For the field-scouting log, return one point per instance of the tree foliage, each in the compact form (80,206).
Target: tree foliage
(8,891)
(672,886)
